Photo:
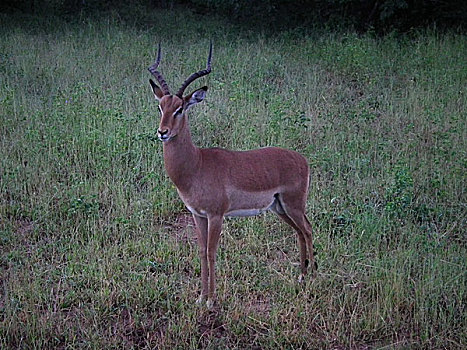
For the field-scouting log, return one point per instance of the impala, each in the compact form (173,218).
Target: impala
(214,183)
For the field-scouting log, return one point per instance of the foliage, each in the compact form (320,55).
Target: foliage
(377,15)
(399,195)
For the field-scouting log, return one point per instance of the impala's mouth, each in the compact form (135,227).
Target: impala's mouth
(166,137)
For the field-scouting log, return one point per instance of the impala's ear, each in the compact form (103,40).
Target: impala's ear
(156,90)
(195,97)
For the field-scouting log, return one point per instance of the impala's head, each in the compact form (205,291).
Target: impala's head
(173,108)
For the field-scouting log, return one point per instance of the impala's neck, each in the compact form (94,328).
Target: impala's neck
(181,159)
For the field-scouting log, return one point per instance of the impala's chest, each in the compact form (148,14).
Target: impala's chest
(194,204)
(197,212)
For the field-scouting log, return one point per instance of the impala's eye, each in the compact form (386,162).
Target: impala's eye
(178,112)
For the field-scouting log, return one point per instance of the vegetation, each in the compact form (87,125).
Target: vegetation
(97,251)
(378,15)
(374,15)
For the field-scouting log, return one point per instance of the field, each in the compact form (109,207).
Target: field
(97,251)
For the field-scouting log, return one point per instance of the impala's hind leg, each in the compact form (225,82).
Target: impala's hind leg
(314,264)
(279,210)
(301,243)
(294,210)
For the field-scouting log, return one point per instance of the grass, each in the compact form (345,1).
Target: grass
(97,251)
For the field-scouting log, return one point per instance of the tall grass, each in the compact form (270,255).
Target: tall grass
(97,251)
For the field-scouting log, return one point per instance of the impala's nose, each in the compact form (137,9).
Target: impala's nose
(163,134)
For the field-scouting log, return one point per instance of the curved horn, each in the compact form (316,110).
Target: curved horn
(158,75)
(196,75)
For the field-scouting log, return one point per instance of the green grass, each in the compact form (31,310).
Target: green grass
(97,251)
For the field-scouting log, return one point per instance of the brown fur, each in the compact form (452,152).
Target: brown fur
(217,182)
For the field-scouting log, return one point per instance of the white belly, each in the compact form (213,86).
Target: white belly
(243,204)
(232,213)
(249,212)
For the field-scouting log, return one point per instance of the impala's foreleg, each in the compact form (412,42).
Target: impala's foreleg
(214,233)
(202,233)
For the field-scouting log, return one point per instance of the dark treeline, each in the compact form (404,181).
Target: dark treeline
(378,15)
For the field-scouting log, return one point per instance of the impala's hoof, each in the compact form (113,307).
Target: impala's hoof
(210,304)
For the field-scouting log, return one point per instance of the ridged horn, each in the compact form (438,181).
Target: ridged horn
(196,75)
(158,75)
